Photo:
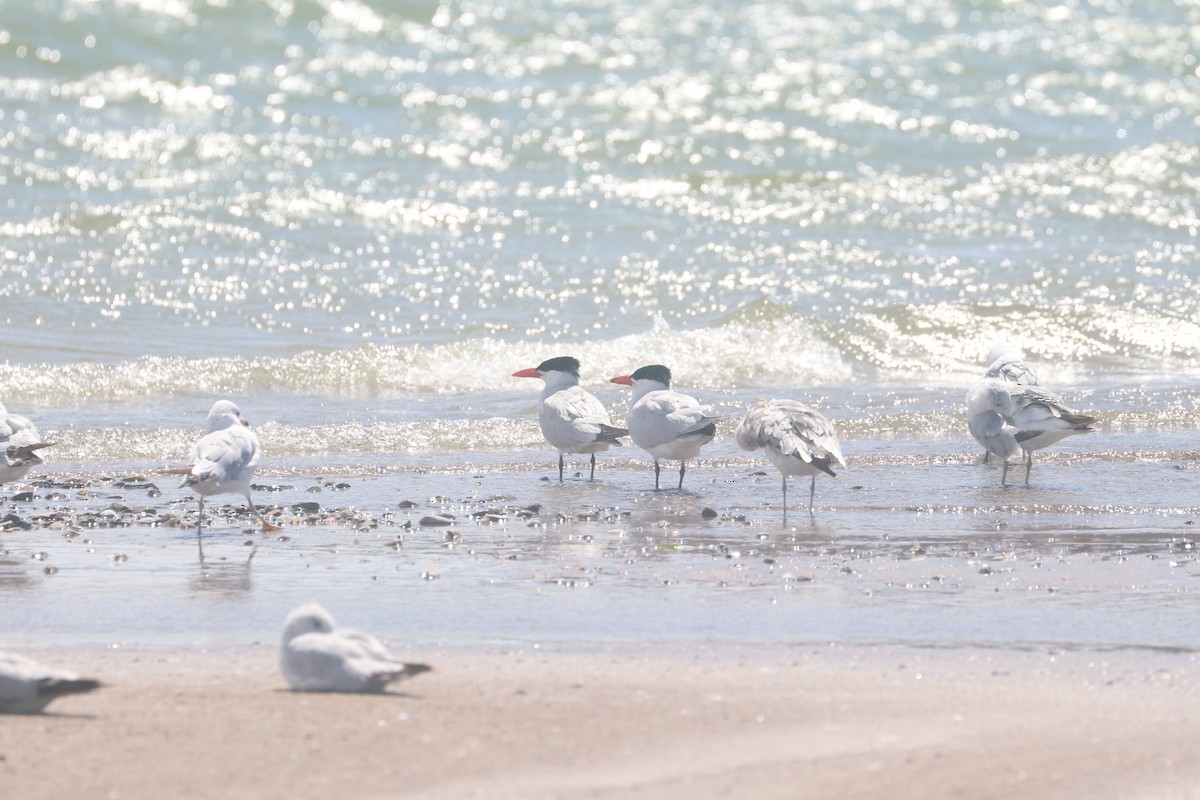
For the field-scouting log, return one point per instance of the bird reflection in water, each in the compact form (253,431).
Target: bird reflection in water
(221,576)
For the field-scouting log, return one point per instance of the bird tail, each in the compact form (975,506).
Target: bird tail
(702,432)
(611,435)
(1081,422)
(825,464)
(379,682)
(26,454)
(57,687)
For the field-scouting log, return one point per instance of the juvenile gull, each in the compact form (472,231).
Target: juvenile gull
(316,657)
(571,418)
(19,443)
(27,687)
(665,423)
(224,460)
(797,440)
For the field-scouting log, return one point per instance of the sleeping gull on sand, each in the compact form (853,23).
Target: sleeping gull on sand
(27,687)
(316,657)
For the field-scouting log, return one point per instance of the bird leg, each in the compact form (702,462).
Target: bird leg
(560,467)
(199,527)
(1004,474)
(267,527)
(682,469)
(1028,465)
(656,471)
(812,493)
(785,501)
(593,476)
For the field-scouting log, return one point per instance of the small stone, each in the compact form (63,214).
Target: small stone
(436,520)
(708,513)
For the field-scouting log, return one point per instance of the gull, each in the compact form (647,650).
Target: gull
(1008,420)
(666,424)
(571,418)
(316,657)
(1008,364)
(223,460)
(797,440)
(989,407)
(19,443)
(27,687)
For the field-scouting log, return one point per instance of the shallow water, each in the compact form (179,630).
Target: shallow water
(914,546)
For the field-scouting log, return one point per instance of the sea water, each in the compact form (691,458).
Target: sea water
(358,219)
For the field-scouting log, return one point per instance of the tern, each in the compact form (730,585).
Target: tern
(665,423)
(571,418)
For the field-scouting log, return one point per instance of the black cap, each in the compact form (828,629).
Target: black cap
(560,364)
(654,372)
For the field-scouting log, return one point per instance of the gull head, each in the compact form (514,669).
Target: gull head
(308,618)
(224,414)
(1003,350)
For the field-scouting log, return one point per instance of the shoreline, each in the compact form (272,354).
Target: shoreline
(661,721)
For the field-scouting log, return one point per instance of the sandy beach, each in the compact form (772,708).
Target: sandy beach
(649,722)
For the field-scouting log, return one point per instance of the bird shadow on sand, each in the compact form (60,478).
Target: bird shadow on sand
(50,715)
(396,695)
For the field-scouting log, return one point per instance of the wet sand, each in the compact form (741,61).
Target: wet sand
(651,722)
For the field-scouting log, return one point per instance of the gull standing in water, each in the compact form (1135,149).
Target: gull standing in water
(19,443)
(224,460)
(665,423)
(316,657)
(571,418)
(1007,363)
(1008,419)
(27,687)
(797,440)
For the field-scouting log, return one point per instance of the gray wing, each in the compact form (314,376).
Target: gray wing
(574,418)
(223,455)
(19,441)
(1038,408)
